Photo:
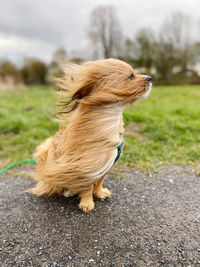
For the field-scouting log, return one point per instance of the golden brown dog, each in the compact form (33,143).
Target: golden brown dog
(77,158)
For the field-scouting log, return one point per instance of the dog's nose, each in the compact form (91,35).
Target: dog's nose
(148,78)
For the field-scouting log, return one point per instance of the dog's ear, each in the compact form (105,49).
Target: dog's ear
(83,91)
(79,84)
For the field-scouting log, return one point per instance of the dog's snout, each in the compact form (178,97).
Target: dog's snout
(148,78)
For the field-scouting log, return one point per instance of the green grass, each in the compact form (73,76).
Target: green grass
(170,121)
(26,118)
(167,132)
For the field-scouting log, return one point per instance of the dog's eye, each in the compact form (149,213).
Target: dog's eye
(131,77)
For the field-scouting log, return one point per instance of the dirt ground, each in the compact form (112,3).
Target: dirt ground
(151,220)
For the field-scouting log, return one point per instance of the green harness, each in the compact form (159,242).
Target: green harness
(119,150)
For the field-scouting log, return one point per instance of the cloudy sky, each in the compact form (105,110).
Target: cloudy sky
(37,28)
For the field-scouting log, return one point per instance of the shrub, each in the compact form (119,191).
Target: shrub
(34,72)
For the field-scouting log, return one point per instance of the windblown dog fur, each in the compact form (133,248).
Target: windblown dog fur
(77,158)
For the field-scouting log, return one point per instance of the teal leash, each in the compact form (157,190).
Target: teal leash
(16,163)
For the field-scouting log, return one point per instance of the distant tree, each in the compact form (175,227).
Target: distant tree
(55,68)
(59,55)
(175,48)
(9,70)
(76,60)
(34,71)
(104,33)
(25,74)
(140,52)
(197,50)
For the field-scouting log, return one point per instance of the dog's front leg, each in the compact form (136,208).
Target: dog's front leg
(86,196)
(99,191)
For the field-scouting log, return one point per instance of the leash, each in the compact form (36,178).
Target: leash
(16,163)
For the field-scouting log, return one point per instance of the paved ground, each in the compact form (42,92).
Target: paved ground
(151,220)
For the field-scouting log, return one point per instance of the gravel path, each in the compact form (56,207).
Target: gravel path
(151,220)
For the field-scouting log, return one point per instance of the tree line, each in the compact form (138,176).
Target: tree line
(34,71)
(170,55)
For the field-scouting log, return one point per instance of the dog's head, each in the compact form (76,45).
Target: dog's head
(104,82)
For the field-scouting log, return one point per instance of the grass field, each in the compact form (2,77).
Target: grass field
(164,129)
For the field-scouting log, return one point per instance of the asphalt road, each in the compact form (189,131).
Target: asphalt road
(151,220)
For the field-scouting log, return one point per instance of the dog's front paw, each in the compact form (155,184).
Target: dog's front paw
(86,206)
(102,193)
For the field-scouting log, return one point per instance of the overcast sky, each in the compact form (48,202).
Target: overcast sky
(37,28)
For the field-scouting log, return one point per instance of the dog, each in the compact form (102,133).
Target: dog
(76,160)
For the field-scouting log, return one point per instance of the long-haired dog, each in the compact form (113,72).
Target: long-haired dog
(77,158)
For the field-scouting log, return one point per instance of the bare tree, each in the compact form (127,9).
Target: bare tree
(105,33)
